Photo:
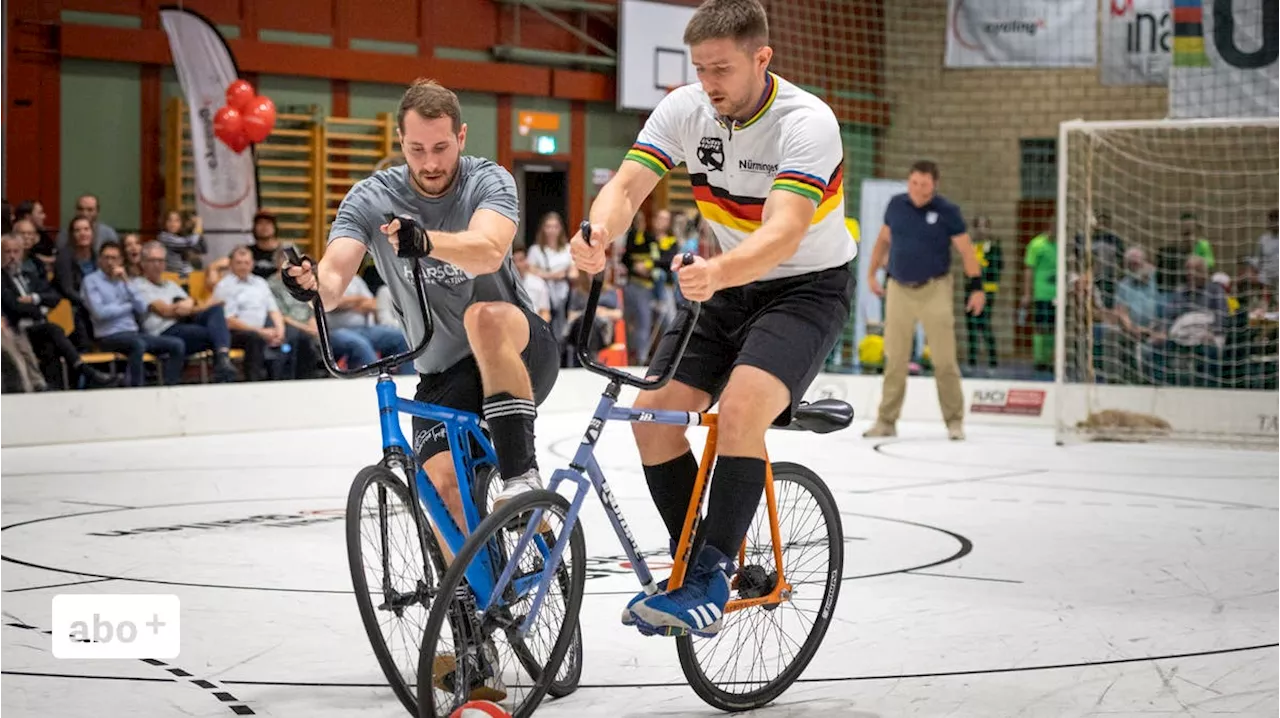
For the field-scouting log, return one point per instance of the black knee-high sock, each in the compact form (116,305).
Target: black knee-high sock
(511,425)
(671,485)
(736,488)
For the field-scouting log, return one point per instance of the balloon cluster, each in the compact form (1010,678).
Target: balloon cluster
(246,118)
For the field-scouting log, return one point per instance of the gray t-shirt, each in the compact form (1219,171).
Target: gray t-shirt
(481,184)
(168,292)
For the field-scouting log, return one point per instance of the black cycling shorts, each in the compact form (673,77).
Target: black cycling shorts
(459,387)
(786,327)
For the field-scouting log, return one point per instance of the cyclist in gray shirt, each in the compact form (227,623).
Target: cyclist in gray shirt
(490,352)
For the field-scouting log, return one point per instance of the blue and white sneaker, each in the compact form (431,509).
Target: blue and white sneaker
(697,607)
(628,618)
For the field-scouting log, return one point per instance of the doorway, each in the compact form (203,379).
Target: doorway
(543,187)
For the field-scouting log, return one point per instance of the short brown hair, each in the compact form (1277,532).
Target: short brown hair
(927,167)
(743,21)
(431,100)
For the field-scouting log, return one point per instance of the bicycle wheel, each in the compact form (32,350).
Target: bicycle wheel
(487,487)
(812,540)
(467,655)
(384,525)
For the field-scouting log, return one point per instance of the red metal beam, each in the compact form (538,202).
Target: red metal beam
(254,56)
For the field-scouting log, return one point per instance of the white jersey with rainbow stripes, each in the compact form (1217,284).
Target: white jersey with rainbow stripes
(791,143)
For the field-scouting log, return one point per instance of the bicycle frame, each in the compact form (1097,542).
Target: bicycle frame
(585,474)
(463,431)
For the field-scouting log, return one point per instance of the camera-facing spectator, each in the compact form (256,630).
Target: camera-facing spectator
(171,312)
(131,247)
(87,206)
(257,325)
(27,299)
(73,263)
(114,307)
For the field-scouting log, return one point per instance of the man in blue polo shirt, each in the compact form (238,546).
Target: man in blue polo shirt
(920,228)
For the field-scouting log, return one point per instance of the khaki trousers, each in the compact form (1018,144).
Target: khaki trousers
(932,306)
(24,359)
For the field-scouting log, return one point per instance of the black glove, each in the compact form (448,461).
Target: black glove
(290,282)
(414,241)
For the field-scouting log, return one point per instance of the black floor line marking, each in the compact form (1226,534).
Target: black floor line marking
(1144,494)
(223,696)
(948,482)
(97,503)
(965,546)
(966,578)
(838,679)
(58,585)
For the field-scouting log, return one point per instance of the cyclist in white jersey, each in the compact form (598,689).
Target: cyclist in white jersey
(765,161)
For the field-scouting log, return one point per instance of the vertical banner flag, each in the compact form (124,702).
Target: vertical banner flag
(225,181)
(1022,33)
(1224,59)
(1137,36)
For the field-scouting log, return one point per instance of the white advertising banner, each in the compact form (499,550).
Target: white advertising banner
(1224,59)
(225,181)
(1137,39)
(876,194)
(1022,33)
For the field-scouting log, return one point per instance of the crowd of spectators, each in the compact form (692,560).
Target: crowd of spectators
(85,307)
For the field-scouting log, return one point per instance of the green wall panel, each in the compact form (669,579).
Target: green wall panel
(101,128)
(479,113)
(609,136)
(297,94)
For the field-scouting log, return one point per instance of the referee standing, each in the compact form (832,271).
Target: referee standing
(920,228)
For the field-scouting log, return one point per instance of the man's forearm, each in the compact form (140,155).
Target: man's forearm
(472,251)
(613,209)
(329,286)
(971,267)
(878,256)
(763,250)
(235,325)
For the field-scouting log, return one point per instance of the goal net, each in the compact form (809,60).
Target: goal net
(1165,316)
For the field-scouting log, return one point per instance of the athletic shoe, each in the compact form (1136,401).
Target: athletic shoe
(955,431)
(880,431)
(520,485)
(697,607)
(628,618)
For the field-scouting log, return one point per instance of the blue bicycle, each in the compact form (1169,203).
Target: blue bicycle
(400,535)
(506,579)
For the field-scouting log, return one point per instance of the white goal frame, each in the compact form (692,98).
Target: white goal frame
(1249,415)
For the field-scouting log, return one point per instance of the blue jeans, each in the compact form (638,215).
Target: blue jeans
(363,345)
(134,344)
(206,330)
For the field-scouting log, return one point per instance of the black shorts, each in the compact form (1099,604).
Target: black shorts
(787,327)
(1043,316)
(459,387)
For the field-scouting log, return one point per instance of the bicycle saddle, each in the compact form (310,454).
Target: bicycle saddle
(823,416)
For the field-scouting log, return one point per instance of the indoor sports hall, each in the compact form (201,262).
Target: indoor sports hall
(209,500)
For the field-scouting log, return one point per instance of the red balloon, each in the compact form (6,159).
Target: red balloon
(259,119)
(239,94)
(227,121)
(237,142)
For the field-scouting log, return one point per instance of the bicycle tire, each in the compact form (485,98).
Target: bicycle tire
(374,476)
(570,672)
(686,646)
(455,579)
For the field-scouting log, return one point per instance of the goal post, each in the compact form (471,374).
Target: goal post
(1164,322)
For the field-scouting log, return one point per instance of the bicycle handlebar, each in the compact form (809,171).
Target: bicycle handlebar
(326,350)
(583,348)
